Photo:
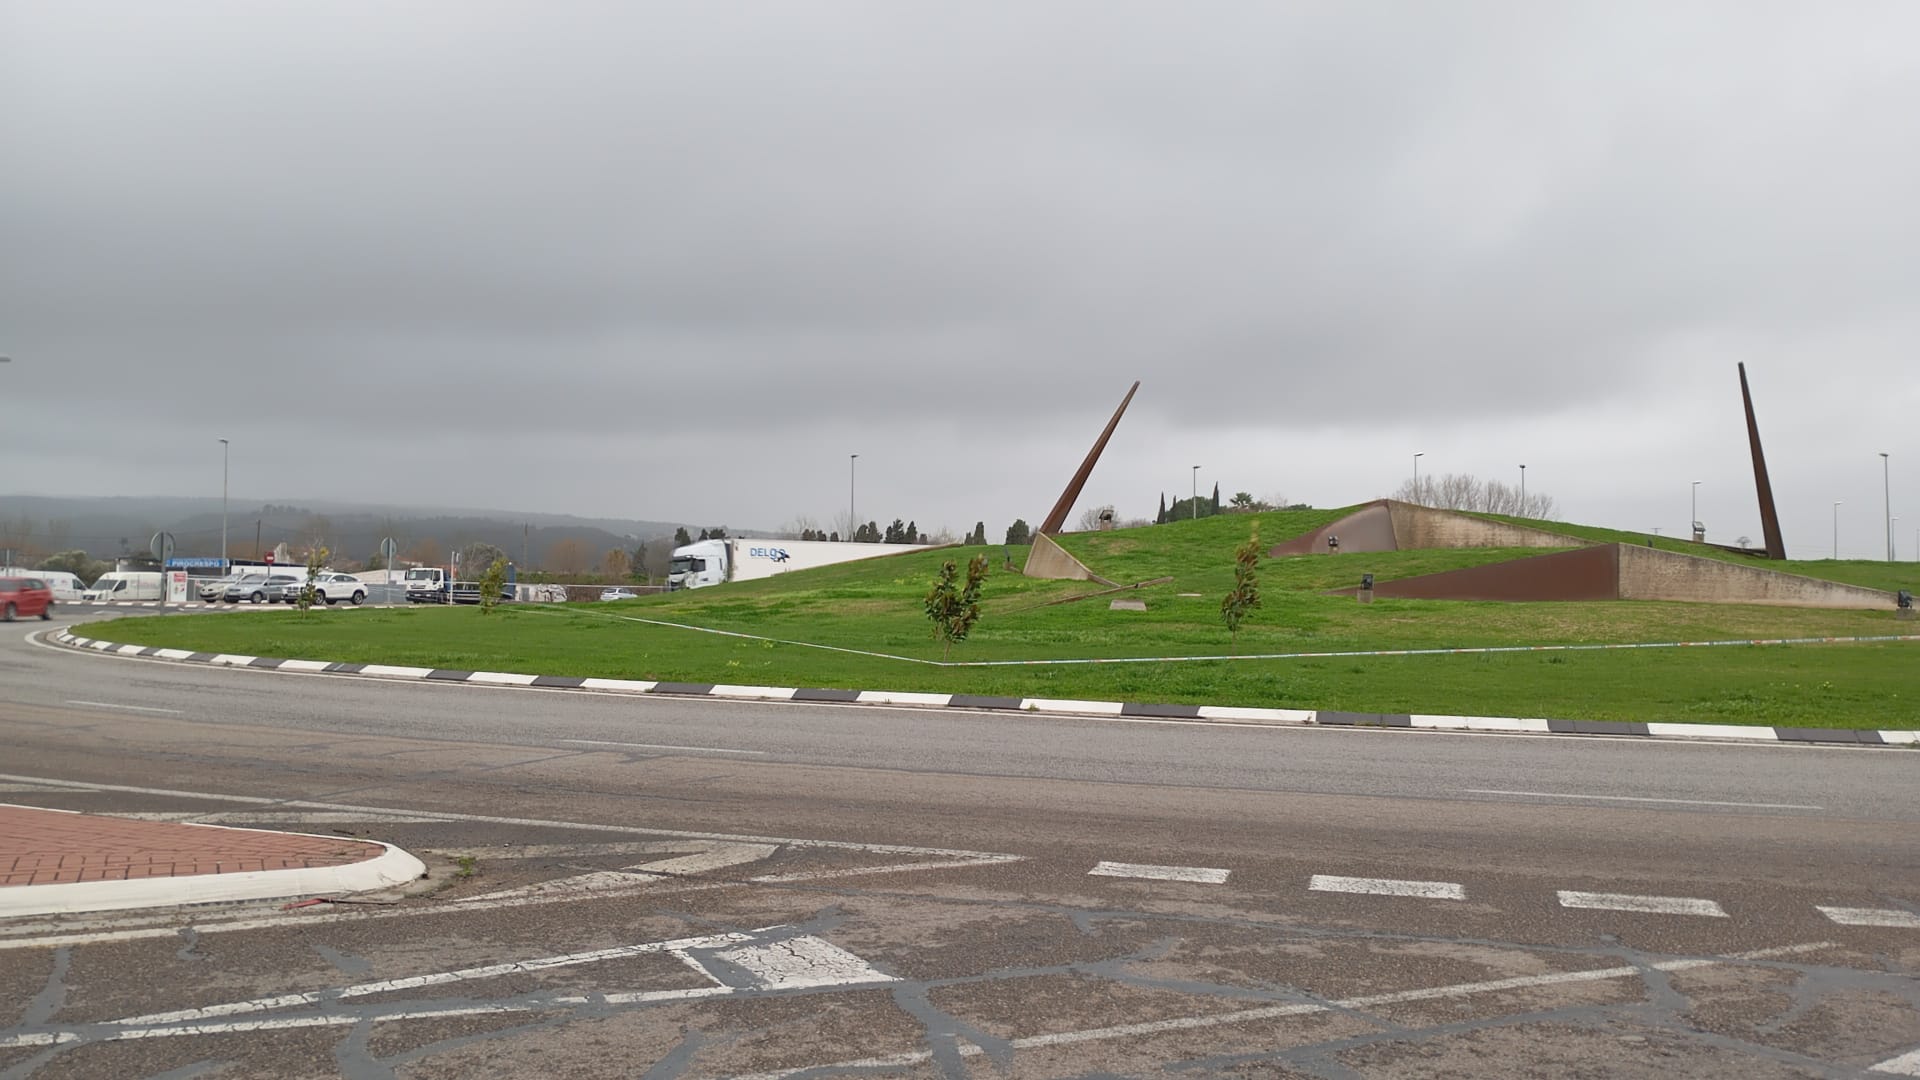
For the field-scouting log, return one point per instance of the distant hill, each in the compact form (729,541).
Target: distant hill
(107,526)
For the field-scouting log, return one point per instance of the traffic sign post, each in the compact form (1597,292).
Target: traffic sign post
(162,548)
(388,550)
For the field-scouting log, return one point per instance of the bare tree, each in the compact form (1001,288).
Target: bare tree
(568,556)
(1457,491)
(425,552)
(476,557)
(616,563)
(1092,516)
(801,527)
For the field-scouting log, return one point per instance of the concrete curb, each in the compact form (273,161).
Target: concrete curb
(388,870)
(1143,711)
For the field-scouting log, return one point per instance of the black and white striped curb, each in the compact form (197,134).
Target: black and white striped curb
(1213,713)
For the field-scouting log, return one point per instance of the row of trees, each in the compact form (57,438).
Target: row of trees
(1464,491)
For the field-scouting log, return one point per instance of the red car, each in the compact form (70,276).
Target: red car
(25,596)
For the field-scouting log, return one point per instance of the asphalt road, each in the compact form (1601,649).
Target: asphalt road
(704,888)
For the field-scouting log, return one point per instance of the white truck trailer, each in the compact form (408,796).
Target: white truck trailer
(713,562)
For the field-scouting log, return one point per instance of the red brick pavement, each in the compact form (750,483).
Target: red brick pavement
(45,847)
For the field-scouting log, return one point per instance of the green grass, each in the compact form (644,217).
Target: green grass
(875,605)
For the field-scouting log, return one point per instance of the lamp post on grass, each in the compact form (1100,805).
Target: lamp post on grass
(853,520)
(1694,521)
(1196,493)
(224,448)
(1416,478)
(1523,491)
(1836,529)
(1887,488)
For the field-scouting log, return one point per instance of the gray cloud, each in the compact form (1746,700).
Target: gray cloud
(680,260)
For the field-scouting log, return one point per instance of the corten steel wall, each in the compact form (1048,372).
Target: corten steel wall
(1050,560)
(1367,529)
(1426,527)
(1652,574)
(1585,574)
(1629,572)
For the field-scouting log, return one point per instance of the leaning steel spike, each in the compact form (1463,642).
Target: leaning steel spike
(1057,517)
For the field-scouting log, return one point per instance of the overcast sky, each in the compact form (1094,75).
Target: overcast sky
(678,261)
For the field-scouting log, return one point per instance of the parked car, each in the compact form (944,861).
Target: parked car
(214,588)
(328,588)
(616,594)
(25,596)
(254,588)
(333,587)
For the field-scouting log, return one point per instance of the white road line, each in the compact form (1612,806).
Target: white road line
(1639,799)
(706,855)
(663,746)
(1649,905)
(1427,890)
(261,817)
(1273,1012)
(94,931)
(545,963)
(490,819)
(1866,916)
(1907,1064)
(1204,874)
(779,963)
(111,705)
(857,871)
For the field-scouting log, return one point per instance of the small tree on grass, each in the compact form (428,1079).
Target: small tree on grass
(316,558)
(492,584)
(953,607)
(1245,594)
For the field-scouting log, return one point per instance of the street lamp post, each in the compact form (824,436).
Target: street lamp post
(1196,493)
(1887,488)
(1416,477)
(224,453)
(852,518)
(1523,491)
(1836,529)
(1693,522)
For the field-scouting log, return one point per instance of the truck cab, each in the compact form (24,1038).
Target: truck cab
(426,585)
(699,564)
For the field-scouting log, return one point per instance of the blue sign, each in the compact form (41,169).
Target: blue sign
(193,563)
(774,553)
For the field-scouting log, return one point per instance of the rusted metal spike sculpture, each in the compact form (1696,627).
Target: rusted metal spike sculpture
(1057,517)
(1769,517)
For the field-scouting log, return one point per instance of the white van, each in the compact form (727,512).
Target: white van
(127,585)
(66,588)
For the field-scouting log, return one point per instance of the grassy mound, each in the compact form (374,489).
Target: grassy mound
(873,606)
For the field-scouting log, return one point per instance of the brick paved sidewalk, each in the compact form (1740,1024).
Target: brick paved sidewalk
(49,847)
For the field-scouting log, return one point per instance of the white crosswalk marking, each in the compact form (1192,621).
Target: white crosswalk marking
(1866,916)
(1204,874)
(1650,905)
(1426,890)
